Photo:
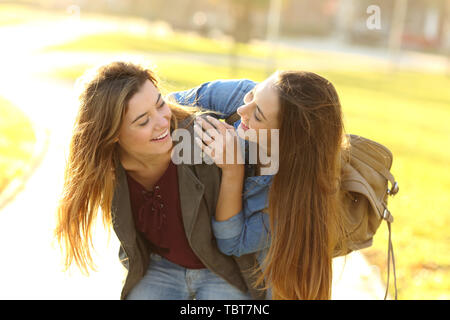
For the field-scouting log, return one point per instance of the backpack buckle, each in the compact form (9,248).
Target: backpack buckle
(387,215)
(393,191)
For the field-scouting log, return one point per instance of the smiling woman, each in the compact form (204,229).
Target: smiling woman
(120,162)
(144,134)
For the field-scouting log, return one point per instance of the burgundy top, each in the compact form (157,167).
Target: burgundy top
(157,214)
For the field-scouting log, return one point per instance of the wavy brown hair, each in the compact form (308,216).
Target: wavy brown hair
(89,178)
(304,201)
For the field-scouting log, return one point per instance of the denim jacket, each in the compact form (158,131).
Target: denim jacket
(248,231)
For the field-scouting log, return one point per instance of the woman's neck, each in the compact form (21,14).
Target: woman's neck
(149,164)
(146,170)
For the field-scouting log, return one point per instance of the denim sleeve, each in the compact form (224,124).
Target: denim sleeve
(224,96)
(240,235)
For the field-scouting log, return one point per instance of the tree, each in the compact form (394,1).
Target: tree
(241,12)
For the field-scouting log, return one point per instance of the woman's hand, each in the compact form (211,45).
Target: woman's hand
(219,141)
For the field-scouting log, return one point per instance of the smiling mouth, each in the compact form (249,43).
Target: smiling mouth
(244,126)
(164,135)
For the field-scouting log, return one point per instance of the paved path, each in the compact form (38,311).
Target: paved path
(31,264)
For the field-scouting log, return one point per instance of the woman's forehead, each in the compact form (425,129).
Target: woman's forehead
(146,96)
(266,95)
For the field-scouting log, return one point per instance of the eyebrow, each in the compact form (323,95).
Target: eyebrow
(140,116)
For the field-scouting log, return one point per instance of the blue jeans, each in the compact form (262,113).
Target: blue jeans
(165,280)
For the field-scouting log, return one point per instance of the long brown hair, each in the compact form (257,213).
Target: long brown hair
(303,199)
(89,178)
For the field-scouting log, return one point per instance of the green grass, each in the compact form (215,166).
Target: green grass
(168,70)
(407,112)
(116,42)
(16,142)
(186,43)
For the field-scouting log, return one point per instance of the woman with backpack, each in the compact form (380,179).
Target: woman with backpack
(291,218)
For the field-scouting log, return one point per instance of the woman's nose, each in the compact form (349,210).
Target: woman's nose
(163,120)
(242,111)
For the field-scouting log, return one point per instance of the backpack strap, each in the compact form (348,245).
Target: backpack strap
(386,215)
(390,253)
(377,166)
(232,118)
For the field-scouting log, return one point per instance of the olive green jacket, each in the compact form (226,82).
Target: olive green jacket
(199,187)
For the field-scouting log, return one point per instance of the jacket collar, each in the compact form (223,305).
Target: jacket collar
(191,192)
(122,217)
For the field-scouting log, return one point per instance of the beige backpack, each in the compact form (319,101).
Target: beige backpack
(365,184)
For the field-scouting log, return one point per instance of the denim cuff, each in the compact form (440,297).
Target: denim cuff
(229,228)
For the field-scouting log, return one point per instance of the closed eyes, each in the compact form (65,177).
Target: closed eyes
(163,103)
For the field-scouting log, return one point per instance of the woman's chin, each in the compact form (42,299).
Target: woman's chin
(241,133)
(161,147)
(246,134)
